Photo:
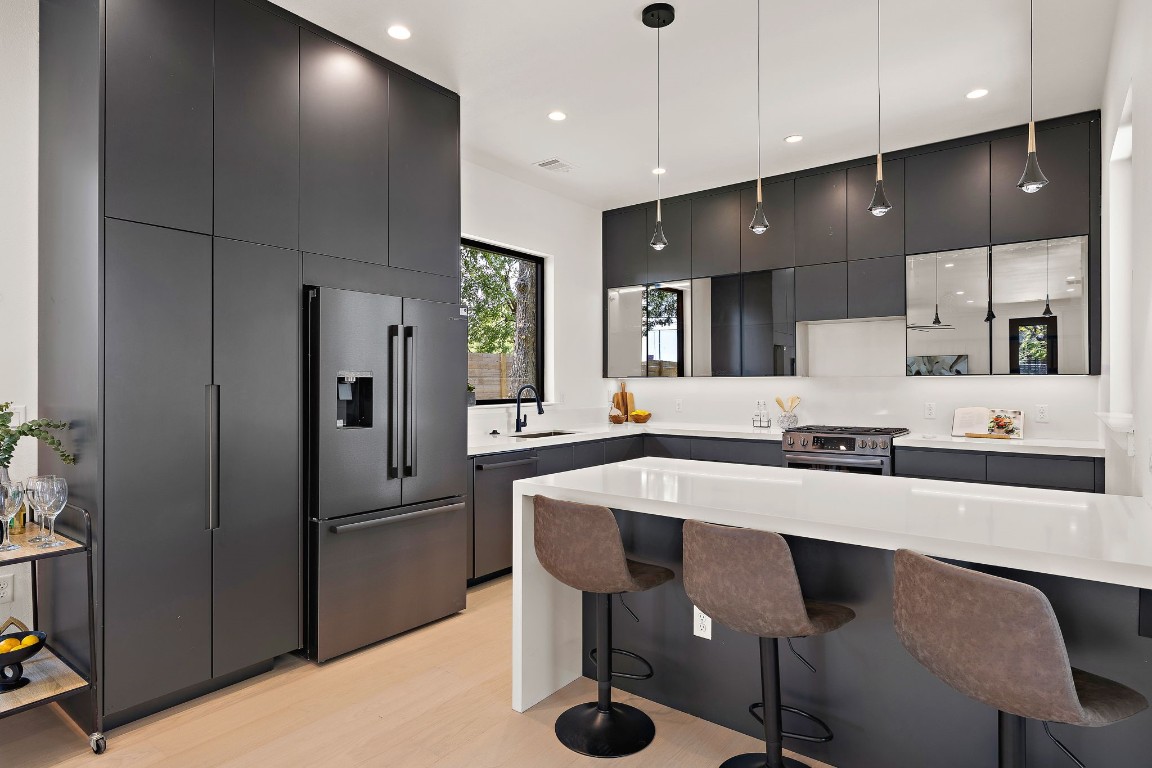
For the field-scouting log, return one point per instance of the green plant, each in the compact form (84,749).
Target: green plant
(37,428)
(471,388)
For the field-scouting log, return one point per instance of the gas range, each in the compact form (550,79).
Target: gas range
(850,449)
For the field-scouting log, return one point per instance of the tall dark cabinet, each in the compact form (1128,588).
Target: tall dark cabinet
(191,150)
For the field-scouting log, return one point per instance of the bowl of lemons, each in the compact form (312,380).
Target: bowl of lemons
(19,647)
(639,417)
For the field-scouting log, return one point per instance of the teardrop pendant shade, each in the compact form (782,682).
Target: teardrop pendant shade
(759,224)
(936,319)
(1033,179)
(879,205)
(1047,308)
(991,315)
(658,241)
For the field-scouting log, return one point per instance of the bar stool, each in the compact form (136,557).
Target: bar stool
(746,580)
(580,545)
(998,641)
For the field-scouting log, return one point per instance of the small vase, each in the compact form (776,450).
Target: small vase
(788,421)
(471,399)
(4,476)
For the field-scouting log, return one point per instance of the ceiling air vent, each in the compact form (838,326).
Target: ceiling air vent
(555,164)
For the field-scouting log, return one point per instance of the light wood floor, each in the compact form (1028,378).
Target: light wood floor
(439,696)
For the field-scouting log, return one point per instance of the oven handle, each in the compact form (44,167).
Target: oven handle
(835,461)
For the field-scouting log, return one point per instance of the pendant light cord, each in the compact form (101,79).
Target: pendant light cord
(1047,254)
(1031,61)
(878,102)
(658,166)
(758,136)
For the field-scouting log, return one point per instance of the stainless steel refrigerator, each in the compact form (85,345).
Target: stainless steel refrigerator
(386,457)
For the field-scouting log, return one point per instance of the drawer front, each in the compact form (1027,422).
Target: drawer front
(940,465)
(553,460)
(623,449)
(664,447)
(1067,474)
(760,452)
(587,454)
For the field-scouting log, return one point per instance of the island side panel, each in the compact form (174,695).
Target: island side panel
(546,618)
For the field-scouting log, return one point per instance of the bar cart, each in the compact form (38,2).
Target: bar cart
(54,674)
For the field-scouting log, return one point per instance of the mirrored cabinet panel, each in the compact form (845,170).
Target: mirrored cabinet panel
(947,308)
(768,323)
(625,320)
(1040,301)
(716,326)
(668,329)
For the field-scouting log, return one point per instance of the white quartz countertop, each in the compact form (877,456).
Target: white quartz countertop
(1097,537)
(488,444)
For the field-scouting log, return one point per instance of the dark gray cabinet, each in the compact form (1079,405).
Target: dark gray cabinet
(821,205)
(715,234)
(256,115)
(674,262)
(946,199)
(157,537)
(256,544)
(876,287)
(158,113)
(554,459)
(587,454)
(423,178)
(761,452)
(776,248)
(725,327)
(623,449)
(1061,209)
(940,464)
(822,292)
(767,321)
(869,236)
(492,503)
(625,245)
(1063,473)
(343,152)
(664,446)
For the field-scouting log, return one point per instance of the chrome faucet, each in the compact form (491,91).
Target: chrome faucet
(522,422)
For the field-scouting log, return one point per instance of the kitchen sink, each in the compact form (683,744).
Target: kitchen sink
(535,435)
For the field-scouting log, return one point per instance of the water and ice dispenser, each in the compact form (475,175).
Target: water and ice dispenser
(353,399)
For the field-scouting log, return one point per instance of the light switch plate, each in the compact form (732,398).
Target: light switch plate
(701,624)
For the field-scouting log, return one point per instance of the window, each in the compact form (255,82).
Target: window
(1032,345)
(502,292)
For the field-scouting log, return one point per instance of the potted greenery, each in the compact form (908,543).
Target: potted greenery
(40,429)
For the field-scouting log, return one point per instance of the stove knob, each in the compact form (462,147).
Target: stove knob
(884,444)
(791,441)
(804,441)
(872,444)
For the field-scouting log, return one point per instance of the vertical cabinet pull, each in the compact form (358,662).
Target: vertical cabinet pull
(395,385)
(212,447)
(410,401)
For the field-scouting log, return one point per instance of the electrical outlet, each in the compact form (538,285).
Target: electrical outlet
(6,588)
(701,624)
(1041,414)
(679,405)
(929,410)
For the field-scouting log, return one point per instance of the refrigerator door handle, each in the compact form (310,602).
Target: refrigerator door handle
(394,416)
(410,401)
(404,518)
(212,446)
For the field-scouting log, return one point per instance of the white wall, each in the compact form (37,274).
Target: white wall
(19,104)
(1129,318)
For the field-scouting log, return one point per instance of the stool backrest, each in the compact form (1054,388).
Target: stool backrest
(993,639)
(580,545)
(745,579)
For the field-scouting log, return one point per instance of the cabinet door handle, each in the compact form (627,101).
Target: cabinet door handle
(505,464)
(404,518)
(212,448)
(394,416)
(410,401)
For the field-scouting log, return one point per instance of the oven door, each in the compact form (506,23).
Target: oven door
(866,465)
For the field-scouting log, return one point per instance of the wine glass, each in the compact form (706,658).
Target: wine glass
(36,491)
(11,498)
(57,498)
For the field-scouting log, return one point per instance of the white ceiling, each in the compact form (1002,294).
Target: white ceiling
(513,61)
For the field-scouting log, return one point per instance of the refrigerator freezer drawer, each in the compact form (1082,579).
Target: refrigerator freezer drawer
(382,573)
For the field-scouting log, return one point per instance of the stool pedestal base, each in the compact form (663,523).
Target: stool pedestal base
(759,760)
(622,730)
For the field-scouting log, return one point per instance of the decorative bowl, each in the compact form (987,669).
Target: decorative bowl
(23,653)
(617,419)
(641,419)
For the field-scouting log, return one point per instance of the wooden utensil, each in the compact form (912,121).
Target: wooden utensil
(780,403)
(792,403)
(629,399)
(986,436)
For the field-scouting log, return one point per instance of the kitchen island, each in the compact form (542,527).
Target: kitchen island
(1090,553)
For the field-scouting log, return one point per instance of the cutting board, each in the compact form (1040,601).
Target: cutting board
(623,400)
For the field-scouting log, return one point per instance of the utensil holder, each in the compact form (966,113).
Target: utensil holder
(788,421)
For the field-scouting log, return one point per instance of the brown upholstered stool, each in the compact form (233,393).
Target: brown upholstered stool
(580,545)
(998,641)
(746,580)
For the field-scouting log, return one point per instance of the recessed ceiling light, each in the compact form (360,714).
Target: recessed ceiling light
(793,138)
(948,266)
(978,93)
(557,115)
(971,301)
(959,293)
(399,31)
(1071,277)
(658,171)
(1071,290)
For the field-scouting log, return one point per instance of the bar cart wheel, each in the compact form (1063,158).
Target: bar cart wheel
(98,743)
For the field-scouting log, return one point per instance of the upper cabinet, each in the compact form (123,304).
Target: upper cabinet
(822,292)
(257,126)
(821,205)
(768,322)
(716,234)
(871,236)
(1061,209)
(625,245)
(876,287)
(424,178)
(674,262)
(946,197)
(158,110)
(776,248)
(343,152)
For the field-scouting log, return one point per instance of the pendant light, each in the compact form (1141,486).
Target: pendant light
(658,16)
(1047,304)
(759,224)
(879,205)
(937,324)
(936,319)
(1033,179)
(991,315)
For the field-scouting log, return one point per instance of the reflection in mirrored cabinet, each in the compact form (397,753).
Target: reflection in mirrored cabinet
(947,310)
(1039,296)
(716,326)
(667,329)
(768,320)
(626,343)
